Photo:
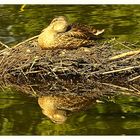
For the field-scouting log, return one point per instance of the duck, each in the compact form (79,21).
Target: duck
(61,35)
(58,107)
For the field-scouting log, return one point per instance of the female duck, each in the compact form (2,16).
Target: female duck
(59,34)
(57,108)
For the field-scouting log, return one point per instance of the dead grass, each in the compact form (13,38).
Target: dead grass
(100,69)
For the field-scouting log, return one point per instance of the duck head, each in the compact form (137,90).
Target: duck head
(59,24)
(49,109)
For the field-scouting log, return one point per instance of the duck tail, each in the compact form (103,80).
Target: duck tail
(98,32)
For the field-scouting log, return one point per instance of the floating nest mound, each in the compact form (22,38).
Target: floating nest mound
(94,71)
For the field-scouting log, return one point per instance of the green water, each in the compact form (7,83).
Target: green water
(21,115)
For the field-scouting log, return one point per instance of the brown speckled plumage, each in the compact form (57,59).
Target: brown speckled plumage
(56,107)
(60,34)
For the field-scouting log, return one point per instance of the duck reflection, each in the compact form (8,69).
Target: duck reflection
(58,108)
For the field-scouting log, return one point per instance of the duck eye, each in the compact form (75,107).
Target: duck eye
(54,20)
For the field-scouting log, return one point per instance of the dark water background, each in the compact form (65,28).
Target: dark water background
(21,115)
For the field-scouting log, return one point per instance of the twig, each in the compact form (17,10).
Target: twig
(34,93)
(131,57)
(25,75)
(123,44)
(2,60)
(2,51)
(119,70)
(25,41)
(35,59)
(138,92)
(4,45)
(119,87)
(132,79)
(125,54)
(31,72)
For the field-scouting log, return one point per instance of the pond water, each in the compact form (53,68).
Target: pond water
(21,115)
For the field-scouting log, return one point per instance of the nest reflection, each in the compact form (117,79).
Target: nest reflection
(58,108)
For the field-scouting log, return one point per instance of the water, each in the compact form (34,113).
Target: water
(21,115)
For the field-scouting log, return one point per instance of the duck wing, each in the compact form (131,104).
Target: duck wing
(66,40)
(82,31)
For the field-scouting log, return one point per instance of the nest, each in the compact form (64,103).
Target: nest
(95,71)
